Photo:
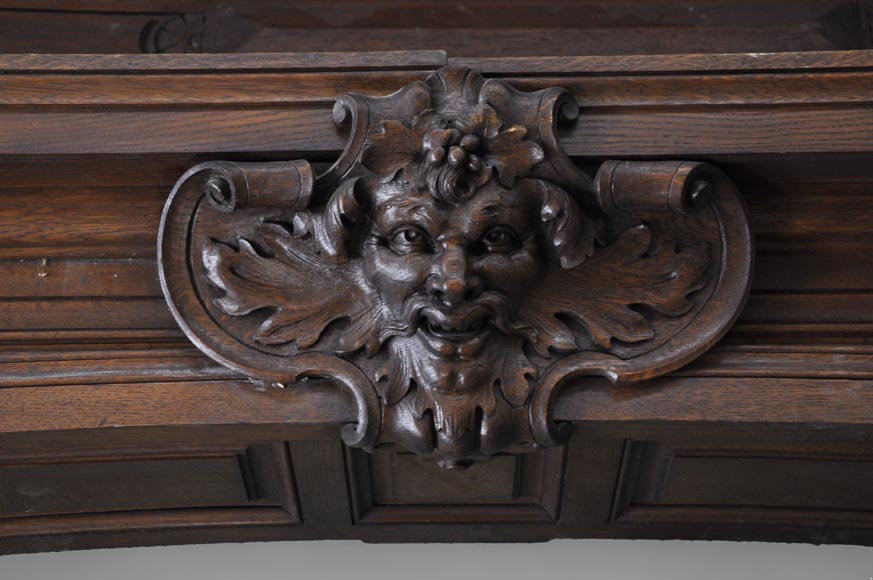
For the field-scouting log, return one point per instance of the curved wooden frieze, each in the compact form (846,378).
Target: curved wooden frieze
(454,268)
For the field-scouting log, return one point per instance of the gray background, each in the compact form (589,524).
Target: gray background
(352,560)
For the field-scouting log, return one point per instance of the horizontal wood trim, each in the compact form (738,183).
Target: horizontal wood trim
(813,308)
(512,513)
(78,278)
(209,89)
(516,39)
(723,387)
(58,173)
(44,222)
(30,338)
(101,371)
(680,134)
(709,516)
(683,90)
(733,401)
(684,63)
(672,91)
(118,353)
(821,269)
(833,365)
(145,521)
(138,365)
(86,314)
(192,63)
(260,129)
(627,134)
(170,403)
(819,113)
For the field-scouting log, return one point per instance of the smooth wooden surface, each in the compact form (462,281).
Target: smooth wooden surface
(92,364)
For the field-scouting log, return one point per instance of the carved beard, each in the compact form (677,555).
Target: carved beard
(451,401)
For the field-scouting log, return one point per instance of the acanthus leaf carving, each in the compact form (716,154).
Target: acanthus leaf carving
(284,284)
(454,268)
(602,293)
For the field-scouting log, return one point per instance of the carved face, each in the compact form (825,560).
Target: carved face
(444,269)
(456,273)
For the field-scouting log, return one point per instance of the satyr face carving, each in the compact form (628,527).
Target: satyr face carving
(452,274)
(461,271)
(455,237)
(457,275)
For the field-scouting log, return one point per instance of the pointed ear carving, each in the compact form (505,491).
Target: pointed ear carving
(566,231)
(454,334)
(334,227)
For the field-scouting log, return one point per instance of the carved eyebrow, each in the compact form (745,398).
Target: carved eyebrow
(503,213)
(506,203)
(494,210)
(405,210)
(490,211)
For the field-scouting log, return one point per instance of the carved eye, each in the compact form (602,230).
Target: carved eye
(497,240)
(409,239)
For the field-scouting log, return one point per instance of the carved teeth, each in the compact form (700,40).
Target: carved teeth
(440,325)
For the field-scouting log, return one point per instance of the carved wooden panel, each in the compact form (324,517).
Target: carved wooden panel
(92,361)
(92,486)
(391,486)
(776,483)
(100,485)
(454,268)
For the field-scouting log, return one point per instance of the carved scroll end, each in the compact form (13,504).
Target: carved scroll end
(543,113)
(230,186)
(454,269)
(678,186)
(362,117)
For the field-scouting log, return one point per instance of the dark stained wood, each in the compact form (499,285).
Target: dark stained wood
(398,487)
(767,434)
(118,484)
(740,400)
(109,405)
(301,61)
(726,482)
(463,312)
(501,28)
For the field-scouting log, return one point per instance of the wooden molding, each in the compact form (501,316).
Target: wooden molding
(765,436)
(453,269)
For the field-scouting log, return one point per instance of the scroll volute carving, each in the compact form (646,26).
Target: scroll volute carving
(454,268)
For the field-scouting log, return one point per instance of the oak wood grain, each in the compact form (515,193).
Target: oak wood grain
(93,369)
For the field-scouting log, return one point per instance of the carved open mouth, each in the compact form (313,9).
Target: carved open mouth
(460,327)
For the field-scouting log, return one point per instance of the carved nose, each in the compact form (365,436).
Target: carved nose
(453,282)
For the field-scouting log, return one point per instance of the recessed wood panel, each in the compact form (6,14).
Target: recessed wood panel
(790,129)
(402,478)
(257,476)
(391,486)
(749,483)
(775,481)
(121,485)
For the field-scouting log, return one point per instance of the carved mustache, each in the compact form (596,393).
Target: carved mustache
(491,306)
